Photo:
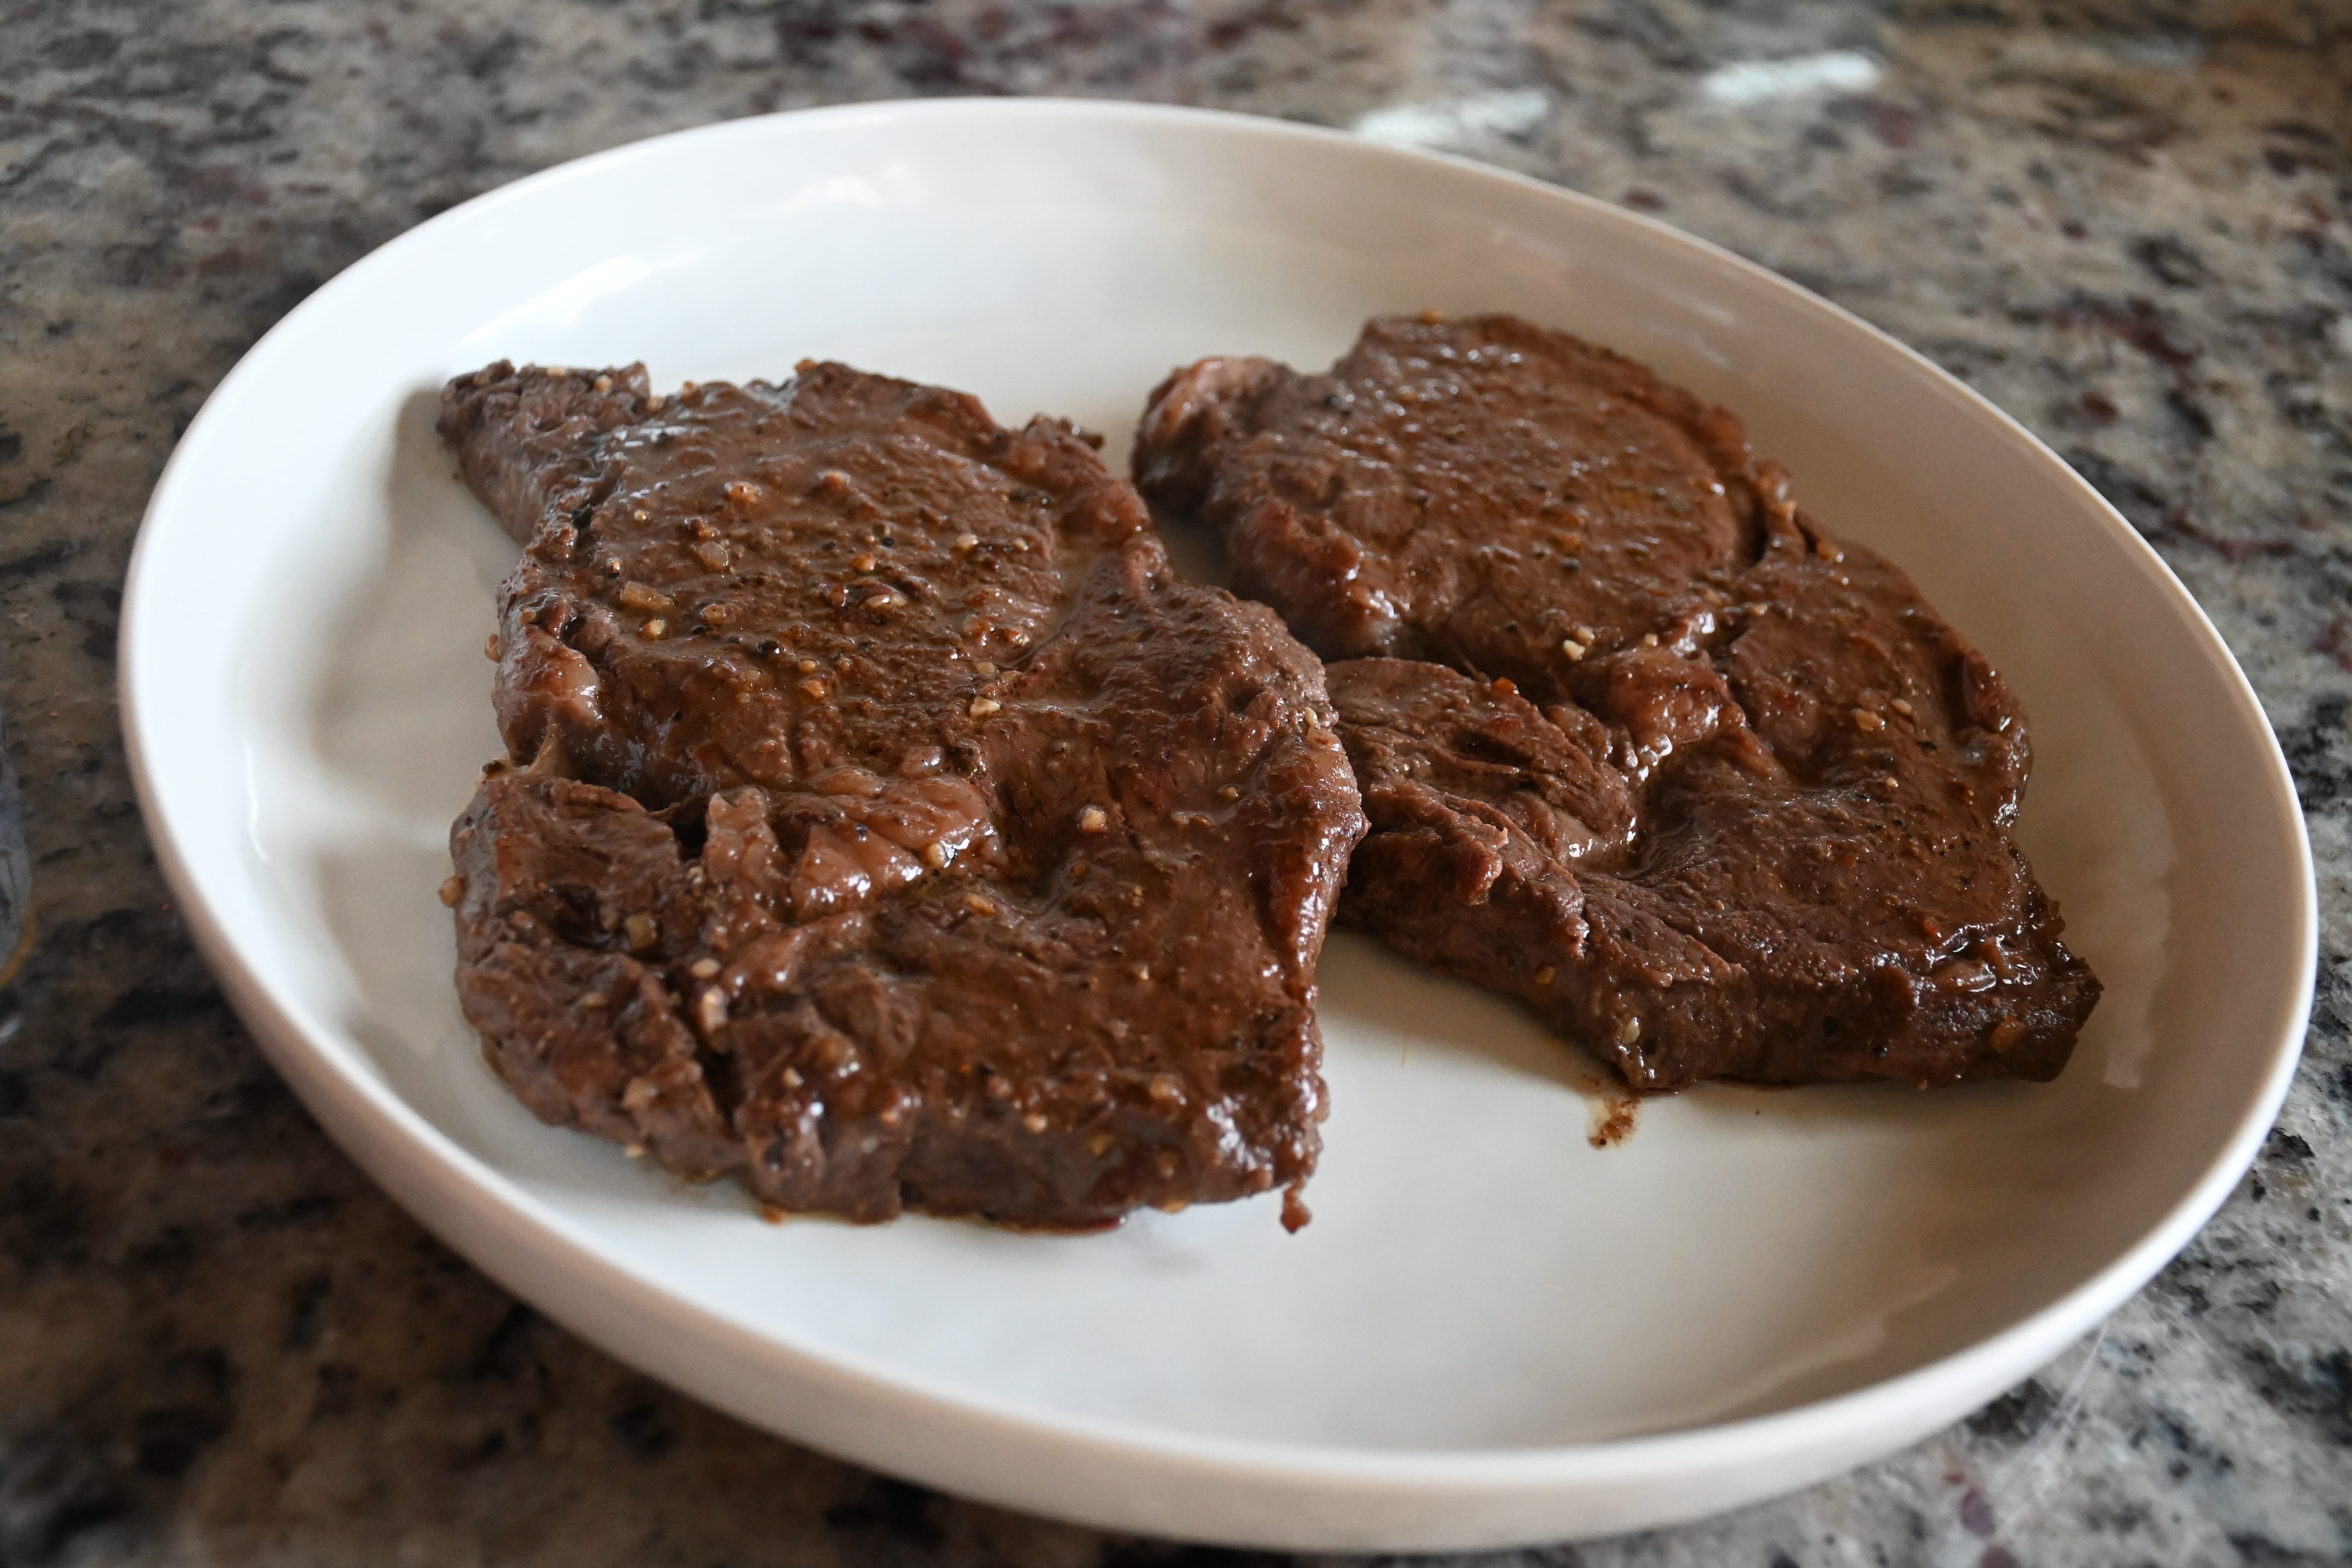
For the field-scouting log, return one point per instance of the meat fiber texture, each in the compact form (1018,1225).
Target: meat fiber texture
(884,824)
(1719,795)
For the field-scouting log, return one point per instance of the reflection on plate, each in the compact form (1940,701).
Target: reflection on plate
(1494,1332)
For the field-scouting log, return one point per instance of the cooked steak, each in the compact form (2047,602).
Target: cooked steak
(1719,795)
(888,827)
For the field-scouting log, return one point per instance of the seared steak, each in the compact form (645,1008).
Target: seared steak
(1719,795)
(893,828)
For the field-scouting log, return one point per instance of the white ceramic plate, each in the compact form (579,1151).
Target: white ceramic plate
(1493,1331)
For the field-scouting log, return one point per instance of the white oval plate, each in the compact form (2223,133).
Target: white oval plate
(1493,1332)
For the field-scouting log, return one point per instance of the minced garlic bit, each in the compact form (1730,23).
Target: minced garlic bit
(641,930)
(592,1001)
(1093,819)
(807,665)
(865,563)
(1036,1122)
(490,648)
(978,905)
(1229,793)
(653,405)
(981,706)
(641,1092)
(1547,974)
(1574,649)
(704,968)
(1165,1088)
(452,889)
(814,689)
(654,629)
(965,543)
(1505,687)
(602,383)
(1864,719)
(1629,1030)
(792,1077)
(1901,707)
(710,1010)
(935,855)
(637,595)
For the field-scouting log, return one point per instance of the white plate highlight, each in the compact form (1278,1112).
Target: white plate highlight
(1492,1332)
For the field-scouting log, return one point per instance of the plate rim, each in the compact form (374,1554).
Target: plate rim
(375,1124)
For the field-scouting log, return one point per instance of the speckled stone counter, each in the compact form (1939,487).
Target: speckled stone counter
(2126,222)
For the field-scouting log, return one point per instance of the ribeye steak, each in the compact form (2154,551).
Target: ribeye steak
(886,824)
(1640,743)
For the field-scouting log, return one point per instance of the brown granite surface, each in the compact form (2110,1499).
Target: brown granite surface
(2127,222)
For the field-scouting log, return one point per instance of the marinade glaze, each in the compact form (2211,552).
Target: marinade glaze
(888,827)
(1719,795)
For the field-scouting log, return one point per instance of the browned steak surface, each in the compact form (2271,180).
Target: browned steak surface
(895,829)
(1719,795)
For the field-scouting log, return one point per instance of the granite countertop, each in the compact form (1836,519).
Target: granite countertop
(2126,221)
